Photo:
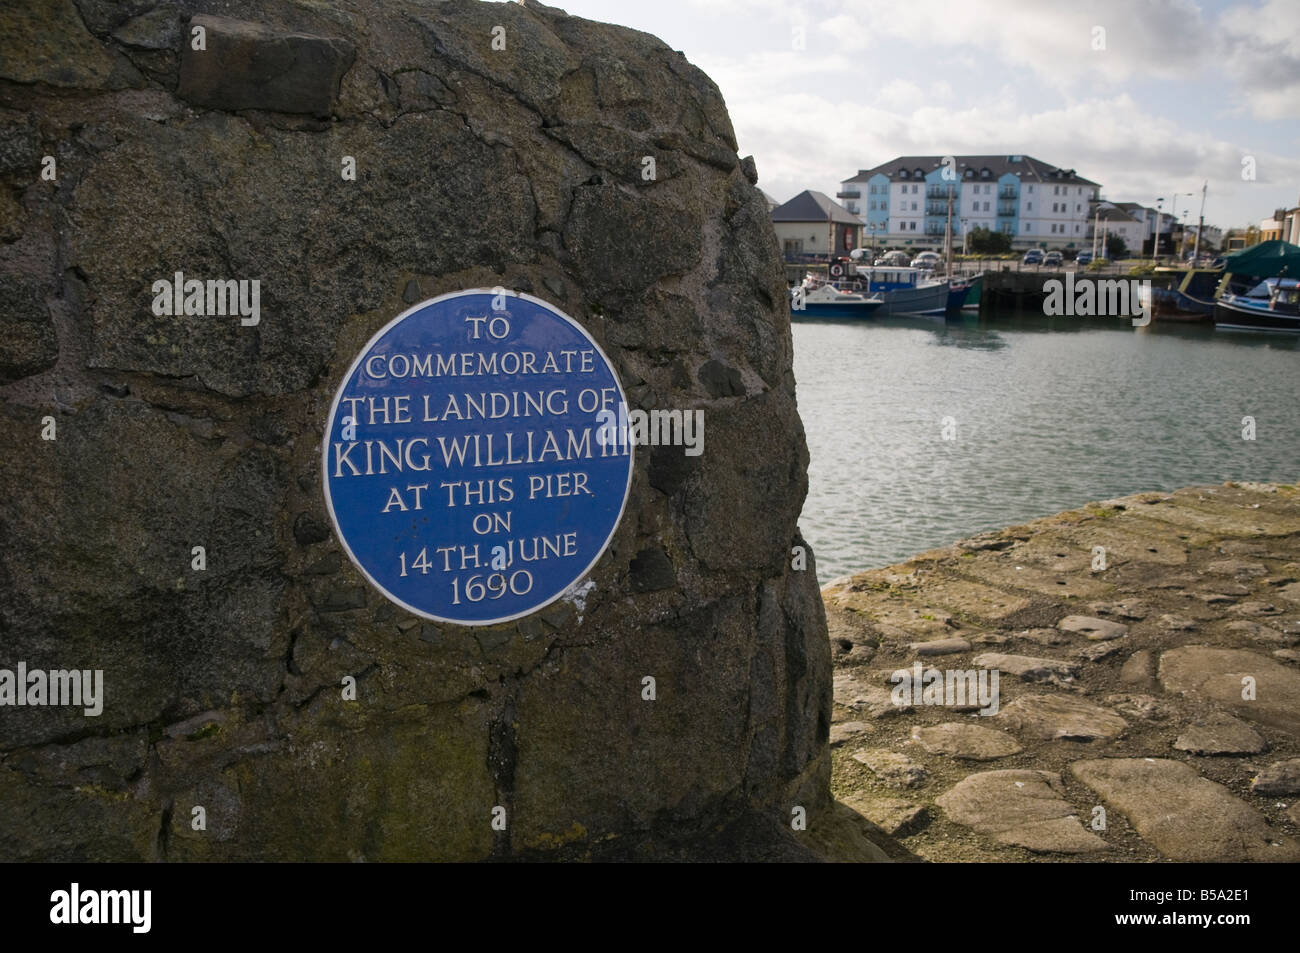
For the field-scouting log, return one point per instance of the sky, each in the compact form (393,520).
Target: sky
(1150,98)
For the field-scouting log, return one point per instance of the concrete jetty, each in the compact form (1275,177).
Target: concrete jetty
(1148,689)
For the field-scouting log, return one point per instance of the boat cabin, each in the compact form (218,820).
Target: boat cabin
(886,278)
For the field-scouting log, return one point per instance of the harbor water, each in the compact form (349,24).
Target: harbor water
(923,431)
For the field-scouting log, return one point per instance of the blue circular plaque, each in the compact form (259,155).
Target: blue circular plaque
(469,467)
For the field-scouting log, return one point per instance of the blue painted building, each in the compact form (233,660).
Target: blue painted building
(904,202)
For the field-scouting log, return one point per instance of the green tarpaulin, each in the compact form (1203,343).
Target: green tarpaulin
(1265,260)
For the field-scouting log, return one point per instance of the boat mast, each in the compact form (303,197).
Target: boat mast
(947,235)
(1196,249)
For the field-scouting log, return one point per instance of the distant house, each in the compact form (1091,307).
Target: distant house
(771,202)
(1270,229)
(812,223)
(1108,218)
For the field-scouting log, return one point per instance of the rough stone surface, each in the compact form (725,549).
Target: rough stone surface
(846,731)
(864,697)
(1219,675)
(1093,628)
(1279,778)
(1187,817)
(1170,572)
(897,770)
(941,647)
(250,66)
(1024,808)
(1220,734)
(966,742)
(892,815)
(1060,716)
(475,168)
(1028,667)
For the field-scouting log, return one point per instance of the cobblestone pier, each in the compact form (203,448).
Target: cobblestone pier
(1149,686)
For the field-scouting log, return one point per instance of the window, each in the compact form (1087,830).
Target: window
(1031,190)
(1027,227)
(1076,229)
(914,188)
(986,206)
(913,206)
(1056,190)
(902,173)
(912,226)
(1029,206)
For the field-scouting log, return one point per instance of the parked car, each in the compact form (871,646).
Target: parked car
(1033,257)
(927,259)
(893,259)
(1053,258)
(1083,258)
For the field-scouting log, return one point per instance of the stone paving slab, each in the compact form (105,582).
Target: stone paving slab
(1023,808)
(1223,676)
(1187,817)
(1205,582)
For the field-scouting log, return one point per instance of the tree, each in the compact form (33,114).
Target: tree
(1116,247)
(983,241)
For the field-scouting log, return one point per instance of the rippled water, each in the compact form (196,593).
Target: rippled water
(1049,414)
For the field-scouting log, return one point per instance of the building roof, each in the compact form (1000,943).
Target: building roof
(1115,211)
(1027,167)
(771,202)
(810,206)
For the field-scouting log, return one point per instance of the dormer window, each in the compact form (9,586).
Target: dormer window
(984,173)
(970,173)
(902,173)
(920,174)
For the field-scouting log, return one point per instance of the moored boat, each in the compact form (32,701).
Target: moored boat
(1191,299)
(1258,291)
(825,300)
(964,294)
(905,290)
(1272,305)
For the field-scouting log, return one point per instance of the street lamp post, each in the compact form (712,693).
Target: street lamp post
(1155,234)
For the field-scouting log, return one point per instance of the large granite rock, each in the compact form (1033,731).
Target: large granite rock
(475,167)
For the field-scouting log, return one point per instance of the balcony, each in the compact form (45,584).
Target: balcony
(849,194)
(938,208)
(1008,193)
(1006,211)
(941,192)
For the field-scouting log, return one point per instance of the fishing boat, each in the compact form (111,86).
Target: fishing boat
(1190,299)
(822,299)
(964,294)
(1272,305)
(904,290)
(1258,291)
